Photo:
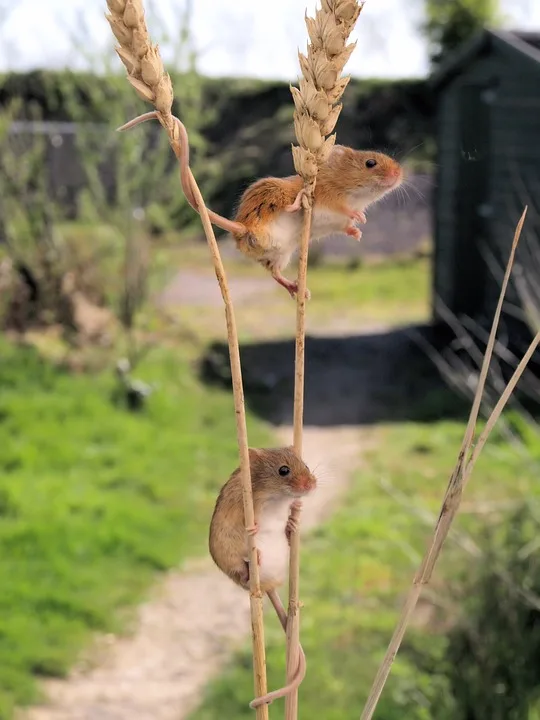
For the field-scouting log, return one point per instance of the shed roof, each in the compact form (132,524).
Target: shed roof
(523,43)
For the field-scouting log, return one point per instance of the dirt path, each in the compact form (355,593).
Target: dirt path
(190,626)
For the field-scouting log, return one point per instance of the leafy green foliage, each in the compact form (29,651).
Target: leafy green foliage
(450,23)
(494,651)
(29,214)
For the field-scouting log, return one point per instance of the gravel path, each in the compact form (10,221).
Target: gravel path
(160,670)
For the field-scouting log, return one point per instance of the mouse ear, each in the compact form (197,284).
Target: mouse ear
(254,454)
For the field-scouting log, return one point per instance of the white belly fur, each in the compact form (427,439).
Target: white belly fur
(284,238)
(325,222)
(272,542)
(285,230)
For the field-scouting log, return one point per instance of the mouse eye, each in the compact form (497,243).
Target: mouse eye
(284,470)
(371,163)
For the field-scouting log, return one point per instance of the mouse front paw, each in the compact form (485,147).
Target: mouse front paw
(353,232)
(293,522)
(291,527)
(357,215)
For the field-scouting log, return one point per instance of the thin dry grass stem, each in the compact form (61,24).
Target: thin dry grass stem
(427,517)
(454,492)
(499,407)
(317,109)
(463,540)
(147,75)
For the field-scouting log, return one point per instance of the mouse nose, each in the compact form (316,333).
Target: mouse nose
(307,482)
(393,175)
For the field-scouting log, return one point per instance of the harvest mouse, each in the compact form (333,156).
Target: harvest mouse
(279,479)
(268,223)
(347,184)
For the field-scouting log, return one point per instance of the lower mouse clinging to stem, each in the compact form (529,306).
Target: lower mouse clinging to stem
(279,478)
(268,220)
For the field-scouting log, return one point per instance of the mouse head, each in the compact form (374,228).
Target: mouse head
(365,173)
(279,471)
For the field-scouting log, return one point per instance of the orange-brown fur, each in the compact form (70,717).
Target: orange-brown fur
(344,177)
(346,170)
(258,205)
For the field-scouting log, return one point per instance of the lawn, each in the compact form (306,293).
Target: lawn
(390,292)
(95,501)
(356,569)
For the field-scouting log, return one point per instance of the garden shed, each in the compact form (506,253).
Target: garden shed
(488,168)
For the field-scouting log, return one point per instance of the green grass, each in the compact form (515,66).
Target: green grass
(394,292)
(396,289)
(355,571)
(94,501)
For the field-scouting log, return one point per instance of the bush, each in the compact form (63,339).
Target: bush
(493,653)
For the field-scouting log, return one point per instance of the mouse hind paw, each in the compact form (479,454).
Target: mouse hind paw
(297,204)
(290,285)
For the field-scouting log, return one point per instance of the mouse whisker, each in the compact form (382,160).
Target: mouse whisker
(407,153)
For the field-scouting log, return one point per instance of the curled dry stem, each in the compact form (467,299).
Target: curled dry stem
(146,73)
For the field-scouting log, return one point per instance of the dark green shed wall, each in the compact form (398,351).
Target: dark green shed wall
(488,168)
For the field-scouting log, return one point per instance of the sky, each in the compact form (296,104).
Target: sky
(258,38)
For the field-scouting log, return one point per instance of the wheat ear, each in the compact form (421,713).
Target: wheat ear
(147,75)
(459,478)
(317,109)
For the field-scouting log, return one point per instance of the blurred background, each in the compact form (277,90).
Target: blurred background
(116,419)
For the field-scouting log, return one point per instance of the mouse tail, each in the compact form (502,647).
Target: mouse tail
(278,607)
(231,226)
(301,669)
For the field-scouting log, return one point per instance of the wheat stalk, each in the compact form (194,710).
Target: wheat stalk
(146,73)
(317,109)
(468,455)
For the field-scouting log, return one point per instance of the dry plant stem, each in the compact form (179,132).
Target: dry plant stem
(499,407)
(180,146)
(256,597)
(293,622)
(300,350)
(317,109)
(454,491)
(146,73)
